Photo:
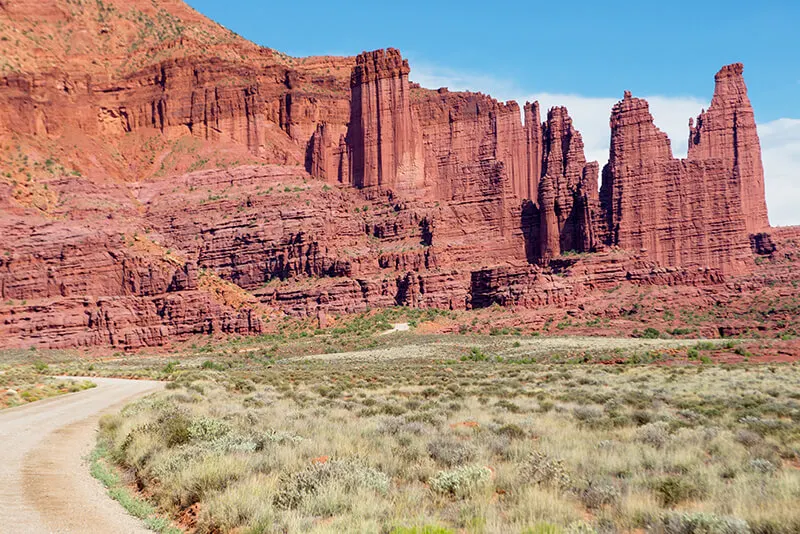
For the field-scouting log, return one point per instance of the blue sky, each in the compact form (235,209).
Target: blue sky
(581,53)
(589,47)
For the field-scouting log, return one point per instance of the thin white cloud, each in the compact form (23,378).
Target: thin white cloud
(780,139)
(780,148)
(434,77)
(591,116)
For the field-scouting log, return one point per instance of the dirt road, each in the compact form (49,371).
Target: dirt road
(45,485)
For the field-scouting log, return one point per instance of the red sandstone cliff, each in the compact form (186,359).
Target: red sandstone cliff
(157,193)
(567,191)
(727,131)
(383,145)
(698,211)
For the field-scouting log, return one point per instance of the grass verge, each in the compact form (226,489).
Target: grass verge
(139,508)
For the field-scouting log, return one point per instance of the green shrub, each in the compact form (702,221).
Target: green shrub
(475,355)
(651,333)
(207,429)
(675,489)
(174,427)
(580,527)
(542,470)
(512,431)
(427,529)
(350,475)
(508,405)
(762,466)
(598,495)
(703,523)
(462,481)
(655,434)
(543,528)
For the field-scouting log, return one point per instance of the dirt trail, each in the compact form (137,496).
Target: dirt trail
(45,485)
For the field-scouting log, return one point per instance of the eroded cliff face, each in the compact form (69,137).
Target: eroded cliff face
(697,212)
(523,185)
(694,212)
(194,183)
(381,135)
(76,283)
(727,131)
(127,91)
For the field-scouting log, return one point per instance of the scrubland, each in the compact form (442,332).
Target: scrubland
(21,385)
(351,429)
(419,442)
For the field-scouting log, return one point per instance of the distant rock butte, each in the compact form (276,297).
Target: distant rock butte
(333,185)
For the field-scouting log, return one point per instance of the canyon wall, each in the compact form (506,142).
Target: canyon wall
(204,189)
(534,181)
(532,178)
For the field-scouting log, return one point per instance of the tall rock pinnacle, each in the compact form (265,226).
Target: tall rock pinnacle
(567,190)
(381,127)
(727,130)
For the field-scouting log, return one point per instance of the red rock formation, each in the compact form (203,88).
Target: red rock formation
(533,153)
(575,279)
(762,244)
(727,131)
(456,194)
(381,135)
(128,322)
(65,285)
(588,214)
(521,286)
(473,145)
(478,156)
(567,191)
(681,212)
(239,96)
(325,157)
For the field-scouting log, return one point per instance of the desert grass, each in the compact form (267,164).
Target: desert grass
(467,444)
(30,383)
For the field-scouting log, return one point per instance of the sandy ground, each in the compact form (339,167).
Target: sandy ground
(527,347)
(45,485)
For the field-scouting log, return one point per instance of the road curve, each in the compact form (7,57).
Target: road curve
(45,485)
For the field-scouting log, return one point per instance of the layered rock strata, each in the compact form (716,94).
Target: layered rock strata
(727,131)
(423,198)
(694,212)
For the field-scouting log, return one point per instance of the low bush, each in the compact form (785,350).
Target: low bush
(702,523)
(451,452)
(349,475)
(543,470)
(654,434)
(676,489)
(462,481)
